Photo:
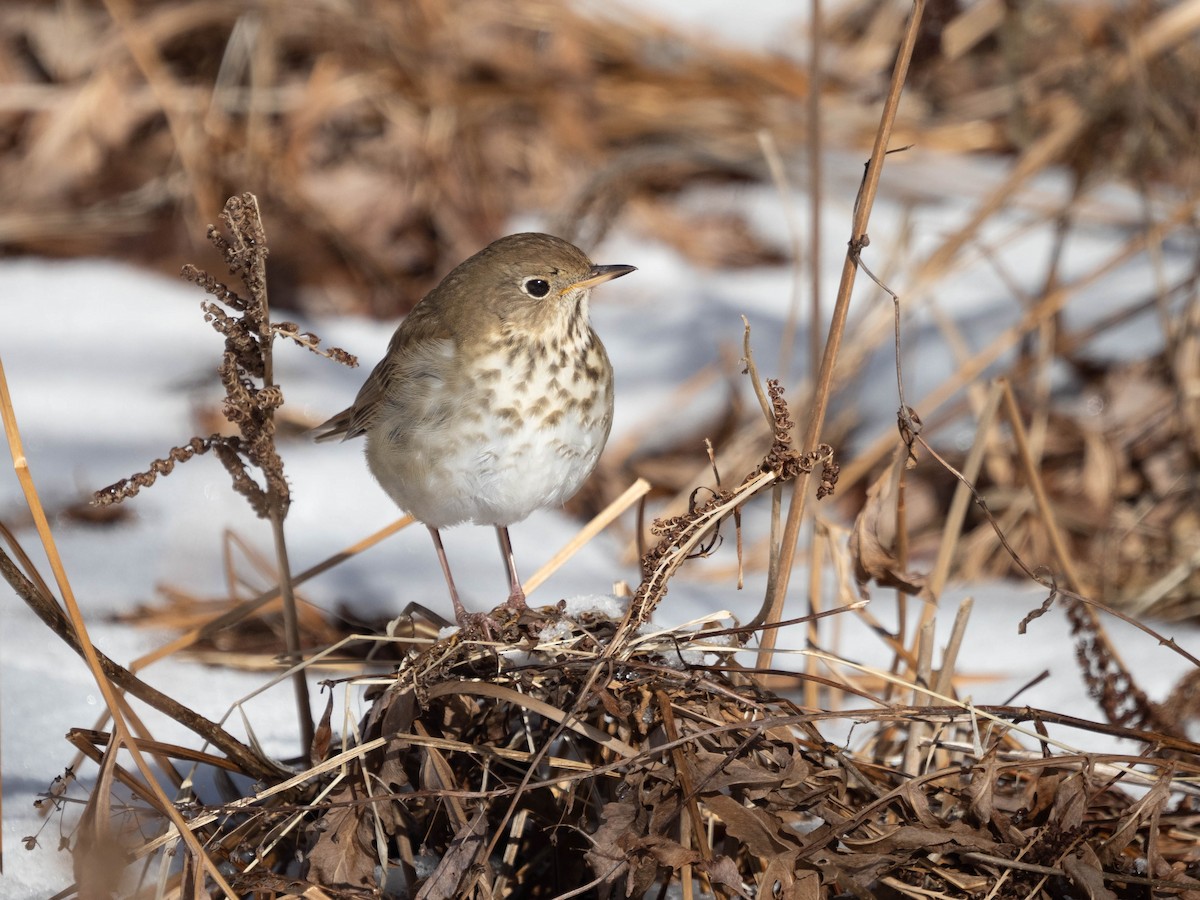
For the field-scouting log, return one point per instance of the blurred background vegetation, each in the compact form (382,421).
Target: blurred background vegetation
(388,140)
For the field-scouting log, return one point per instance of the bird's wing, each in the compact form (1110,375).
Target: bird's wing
(419,344)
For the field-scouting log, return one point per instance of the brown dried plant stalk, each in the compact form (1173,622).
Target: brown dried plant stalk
(684,536)
(251,398)
(773,604)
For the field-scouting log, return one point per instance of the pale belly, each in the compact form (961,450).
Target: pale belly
(488,469)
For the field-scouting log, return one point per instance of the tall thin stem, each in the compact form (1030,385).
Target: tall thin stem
(773,608)
(278,501)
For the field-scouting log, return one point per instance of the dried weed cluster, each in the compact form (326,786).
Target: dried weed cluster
(597,758)
(251,394)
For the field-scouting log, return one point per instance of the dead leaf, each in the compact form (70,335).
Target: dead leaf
(1070,803)
(716,772)
(723,870)
(461,855)
(323,736)
(343,854)
(807,886)
(779,877)
(606,858)
(1085,873)
(756,828)
(982,790)
(872,543)
(667,852)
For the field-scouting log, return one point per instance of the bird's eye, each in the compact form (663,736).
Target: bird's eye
(536,287)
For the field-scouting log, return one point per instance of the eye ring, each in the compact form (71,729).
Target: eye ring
(536,287)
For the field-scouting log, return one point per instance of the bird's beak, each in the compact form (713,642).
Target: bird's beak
(598,275)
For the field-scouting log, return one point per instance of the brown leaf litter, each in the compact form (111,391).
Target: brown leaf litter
(578,751)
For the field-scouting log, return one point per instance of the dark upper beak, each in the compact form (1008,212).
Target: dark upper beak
(598,275)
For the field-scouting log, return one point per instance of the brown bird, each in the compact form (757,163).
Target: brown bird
(495,396)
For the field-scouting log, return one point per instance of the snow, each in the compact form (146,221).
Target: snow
(776,25)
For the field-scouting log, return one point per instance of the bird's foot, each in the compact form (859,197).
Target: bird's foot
(516,600)
(489,625)
(478,624)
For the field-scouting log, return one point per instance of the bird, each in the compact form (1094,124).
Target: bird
(494,398)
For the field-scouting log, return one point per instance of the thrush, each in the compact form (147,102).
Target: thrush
(495,396)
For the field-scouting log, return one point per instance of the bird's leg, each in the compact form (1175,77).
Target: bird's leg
(460,612)
(516,594)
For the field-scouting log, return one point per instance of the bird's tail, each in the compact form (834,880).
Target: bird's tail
(335,428)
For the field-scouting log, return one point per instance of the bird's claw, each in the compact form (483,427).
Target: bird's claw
(478,623)
(516,601)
